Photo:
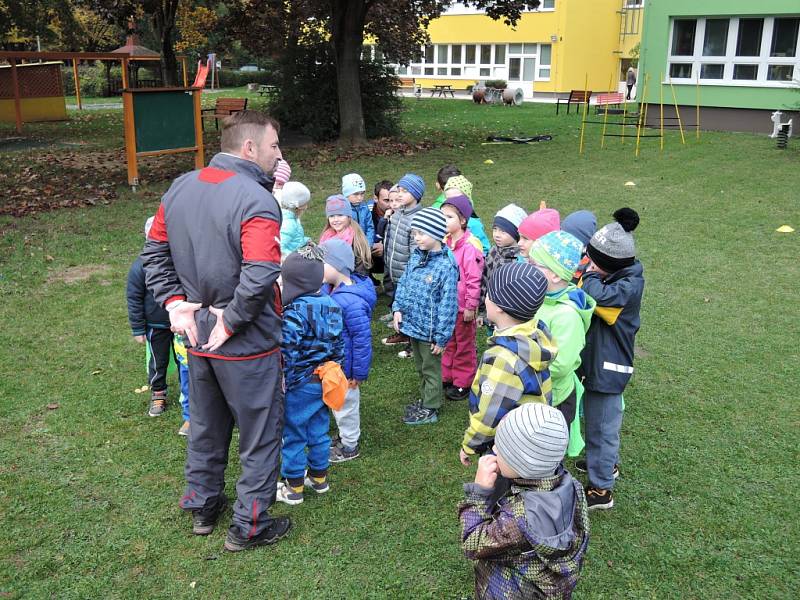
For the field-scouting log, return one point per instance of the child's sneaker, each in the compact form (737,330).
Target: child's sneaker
(412,408)
(580,465)
(457,393)
(408,352)
(158,403)
(184,430)
(343,453)
(421,416)
(597,499)
(289,495)
(395,340)
(318,485)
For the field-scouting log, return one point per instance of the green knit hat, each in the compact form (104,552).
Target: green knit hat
(461,183)
(559,251)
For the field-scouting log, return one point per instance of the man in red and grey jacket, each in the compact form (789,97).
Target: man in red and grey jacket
(212,258)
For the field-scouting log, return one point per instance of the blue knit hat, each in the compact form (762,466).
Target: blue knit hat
(430,221)
(353,183)
(518,289)
(582,224)
(559,251)
(338,205)
(339,255)
(414,184)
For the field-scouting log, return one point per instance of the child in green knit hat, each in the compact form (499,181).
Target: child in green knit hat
(567,312)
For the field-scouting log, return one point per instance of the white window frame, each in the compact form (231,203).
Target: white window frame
(729,59)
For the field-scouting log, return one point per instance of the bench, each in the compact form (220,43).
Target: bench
(609,99)
(406,82)
(575,97)
(224,107)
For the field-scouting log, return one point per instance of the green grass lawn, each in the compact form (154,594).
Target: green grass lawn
(705,507)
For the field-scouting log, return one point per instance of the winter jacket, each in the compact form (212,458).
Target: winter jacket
(143,310)
(497,257)
(357,302)
(567,315)
(292,234)
(513,371)
(607,358)
(363,216)
(399,241)
(531,543)
(312,335)
(379,223)
(470,270)
(426,296)
(215,240)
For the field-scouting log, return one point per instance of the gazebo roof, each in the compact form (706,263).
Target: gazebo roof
(133,47)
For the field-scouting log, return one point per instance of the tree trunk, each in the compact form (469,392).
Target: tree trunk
(347,35)
(164,27)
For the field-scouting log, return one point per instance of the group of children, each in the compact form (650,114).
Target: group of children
(560,302)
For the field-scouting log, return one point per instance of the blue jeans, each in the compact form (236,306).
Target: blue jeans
(183,376)
(306,424)
(603,416)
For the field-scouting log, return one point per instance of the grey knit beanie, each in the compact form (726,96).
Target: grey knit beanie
(532,439)
(612,247)
(339,255)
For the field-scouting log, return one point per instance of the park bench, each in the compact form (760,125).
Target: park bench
(224,107)
(575,97)
(406,82)
(609,99)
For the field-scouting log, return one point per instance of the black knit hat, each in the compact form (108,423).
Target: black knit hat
(302,272)
(518,289)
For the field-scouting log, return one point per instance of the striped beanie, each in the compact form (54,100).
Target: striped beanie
(413,184)
(518,289)
(532,440)
(353,183)
(430,221)
(338,205)
(559,251)
(509,218)
(460,183)
(283,172)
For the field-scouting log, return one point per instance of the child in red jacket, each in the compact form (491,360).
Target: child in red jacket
(460,358)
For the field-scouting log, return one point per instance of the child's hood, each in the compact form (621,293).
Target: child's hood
(577,299)
(531,341)
(550,517)
(362,287)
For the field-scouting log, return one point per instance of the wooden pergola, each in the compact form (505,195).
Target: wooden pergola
(124,58)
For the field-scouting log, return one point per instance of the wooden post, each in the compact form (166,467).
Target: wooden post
(17,103)
(125,76)
(585,110)
(199,158)
(185,75)
(77,82)
(130,138)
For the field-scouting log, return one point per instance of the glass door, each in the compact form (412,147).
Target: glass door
(522,67)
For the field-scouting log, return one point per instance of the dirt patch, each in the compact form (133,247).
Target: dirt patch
(76,274)
(640,352)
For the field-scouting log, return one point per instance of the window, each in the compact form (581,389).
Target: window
(514,66)
(500,54)
(455,54)
(515,48)
(441,54)
(544,54)
(402,70)
(749,41)
(416,70)
(738,51)
(548,5)
(485,72)
(528,69)
(486,54)
(683,37)
(428,70)
(784,37)
(441,71)
(456,71)
(428,54)
(716,40)
(470,52)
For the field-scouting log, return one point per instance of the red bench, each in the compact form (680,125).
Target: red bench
(575,97)
(609,99)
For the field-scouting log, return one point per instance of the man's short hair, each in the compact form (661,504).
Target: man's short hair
(382,185)
(243,125)
(445,173)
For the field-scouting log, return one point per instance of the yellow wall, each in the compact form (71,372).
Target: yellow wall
(455,29)
(34,109)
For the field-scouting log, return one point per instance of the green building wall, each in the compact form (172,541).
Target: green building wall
(654,55)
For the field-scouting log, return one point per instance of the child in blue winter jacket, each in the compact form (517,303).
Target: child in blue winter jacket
(295,199)
(355,294)
(354,188)
(425,309)
(312,336)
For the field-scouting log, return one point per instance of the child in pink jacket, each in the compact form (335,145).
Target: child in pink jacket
(460,358)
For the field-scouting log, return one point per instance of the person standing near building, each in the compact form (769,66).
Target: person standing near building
(212,259)
(630,81)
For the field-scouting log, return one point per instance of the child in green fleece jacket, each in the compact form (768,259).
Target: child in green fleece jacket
(567,312)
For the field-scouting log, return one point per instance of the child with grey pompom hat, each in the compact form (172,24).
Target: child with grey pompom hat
(615,279)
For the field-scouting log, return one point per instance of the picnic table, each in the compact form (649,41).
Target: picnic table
(443,90)
(269,90)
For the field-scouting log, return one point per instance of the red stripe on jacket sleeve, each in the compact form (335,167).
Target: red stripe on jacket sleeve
(260,240)
(212,175)
(158,230)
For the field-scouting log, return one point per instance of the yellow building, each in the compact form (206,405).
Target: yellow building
(550,51)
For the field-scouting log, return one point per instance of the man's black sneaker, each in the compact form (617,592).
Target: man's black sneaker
(457,393)
(205,519)
(580,465)
(276,529)
(597,499)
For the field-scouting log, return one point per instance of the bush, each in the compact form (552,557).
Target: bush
(308,101)
(499,84)
(236,78)
(92,78)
